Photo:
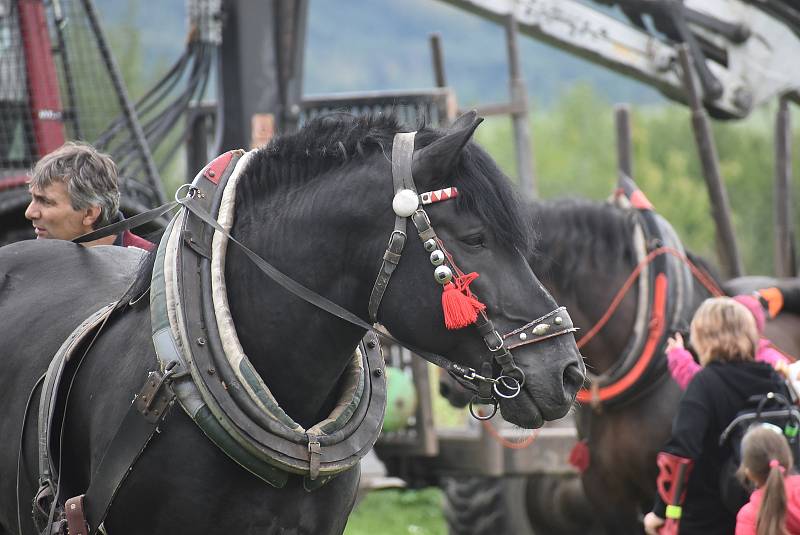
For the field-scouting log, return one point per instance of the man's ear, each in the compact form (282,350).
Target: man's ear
(90,215)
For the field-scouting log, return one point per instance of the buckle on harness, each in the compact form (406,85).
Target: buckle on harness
(155,396)
(314,454)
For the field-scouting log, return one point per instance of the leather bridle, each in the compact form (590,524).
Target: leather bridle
(406,203)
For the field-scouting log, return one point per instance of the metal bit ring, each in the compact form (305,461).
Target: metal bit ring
(509,383)
(479,401)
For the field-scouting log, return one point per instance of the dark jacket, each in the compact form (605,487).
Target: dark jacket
(710,403)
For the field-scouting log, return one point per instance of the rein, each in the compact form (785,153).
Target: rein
(701,276)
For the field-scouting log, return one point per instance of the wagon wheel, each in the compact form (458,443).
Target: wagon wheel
(542,504)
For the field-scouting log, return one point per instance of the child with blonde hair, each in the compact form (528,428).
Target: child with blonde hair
(774,507)
(683,368)
(689,498)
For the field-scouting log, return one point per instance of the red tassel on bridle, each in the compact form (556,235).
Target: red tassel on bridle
(460,306)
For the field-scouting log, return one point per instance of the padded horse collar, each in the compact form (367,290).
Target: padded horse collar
(215,383)
(406,204)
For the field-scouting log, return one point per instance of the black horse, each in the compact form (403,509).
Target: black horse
(318,205)
(584,254)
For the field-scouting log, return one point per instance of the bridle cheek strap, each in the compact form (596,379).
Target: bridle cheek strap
(402,160)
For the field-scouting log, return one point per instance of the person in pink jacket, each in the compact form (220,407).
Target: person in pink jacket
(683,367)
(774,507)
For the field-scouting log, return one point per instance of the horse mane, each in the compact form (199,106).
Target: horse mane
(340,139)
(574,236)
(332,141)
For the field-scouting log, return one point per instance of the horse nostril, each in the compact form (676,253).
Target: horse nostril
(573,377)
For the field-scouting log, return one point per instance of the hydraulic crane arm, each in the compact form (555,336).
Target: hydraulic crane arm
(745,56)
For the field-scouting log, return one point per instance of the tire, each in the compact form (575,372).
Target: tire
(542,504)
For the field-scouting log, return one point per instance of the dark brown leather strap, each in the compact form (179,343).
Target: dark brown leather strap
(76,519)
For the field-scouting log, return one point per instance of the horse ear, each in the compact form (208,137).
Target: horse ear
(464,120)
(437,159)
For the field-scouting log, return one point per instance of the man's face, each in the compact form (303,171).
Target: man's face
(53,216)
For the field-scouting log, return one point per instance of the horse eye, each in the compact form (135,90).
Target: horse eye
(475,240)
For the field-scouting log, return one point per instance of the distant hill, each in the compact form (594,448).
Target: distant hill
(355,45)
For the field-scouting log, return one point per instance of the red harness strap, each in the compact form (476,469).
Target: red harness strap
(657,325)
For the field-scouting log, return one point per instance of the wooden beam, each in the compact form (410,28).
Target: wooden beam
(622,119)
(785,263)
(707,150)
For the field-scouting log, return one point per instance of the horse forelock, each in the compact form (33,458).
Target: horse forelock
(576,236)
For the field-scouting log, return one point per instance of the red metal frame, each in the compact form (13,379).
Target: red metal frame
(43,87)
(15,181)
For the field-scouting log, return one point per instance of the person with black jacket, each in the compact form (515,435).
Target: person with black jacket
(725,338)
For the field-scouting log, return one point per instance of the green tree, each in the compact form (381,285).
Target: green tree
(575,155)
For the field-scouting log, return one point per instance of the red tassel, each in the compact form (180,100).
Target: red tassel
(459,304)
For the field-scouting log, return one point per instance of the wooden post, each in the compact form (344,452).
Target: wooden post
(622,119)
(438,60)
(519,115)
(785,264)
(707,150)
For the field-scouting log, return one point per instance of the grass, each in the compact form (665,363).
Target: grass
(408,512)
(398,512)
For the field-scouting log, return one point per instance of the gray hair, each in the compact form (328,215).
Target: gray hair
(90,177)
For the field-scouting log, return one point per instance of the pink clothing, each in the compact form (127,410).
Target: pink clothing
(748,515)
(752,304)
(683,367)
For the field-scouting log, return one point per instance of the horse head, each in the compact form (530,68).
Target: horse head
(319,205)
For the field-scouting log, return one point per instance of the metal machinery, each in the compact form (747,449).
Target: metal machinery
(58,81)
(742,50)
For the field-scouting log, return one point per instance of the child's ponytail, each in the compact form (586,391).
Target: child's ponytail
(766,458)
(772,515)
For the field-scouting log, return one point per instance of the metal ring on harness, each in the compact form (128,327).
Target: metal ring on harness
(481,401)
(515,386)
(189,192)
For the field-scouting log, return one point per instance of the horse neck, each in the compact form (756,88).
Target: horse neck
(299,350)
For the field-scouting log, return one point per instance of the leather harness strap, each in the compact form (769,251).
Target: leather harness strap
(149,408)
(402,161)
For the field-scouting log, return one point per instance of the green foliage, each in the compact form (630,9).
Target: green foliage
(575,154)
(398,512)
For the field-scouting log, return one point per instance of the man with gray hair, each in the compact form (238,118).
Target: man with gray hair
(74,191)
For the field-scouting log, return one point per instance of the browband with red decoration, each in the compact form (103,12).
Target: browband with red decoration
(444,194)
